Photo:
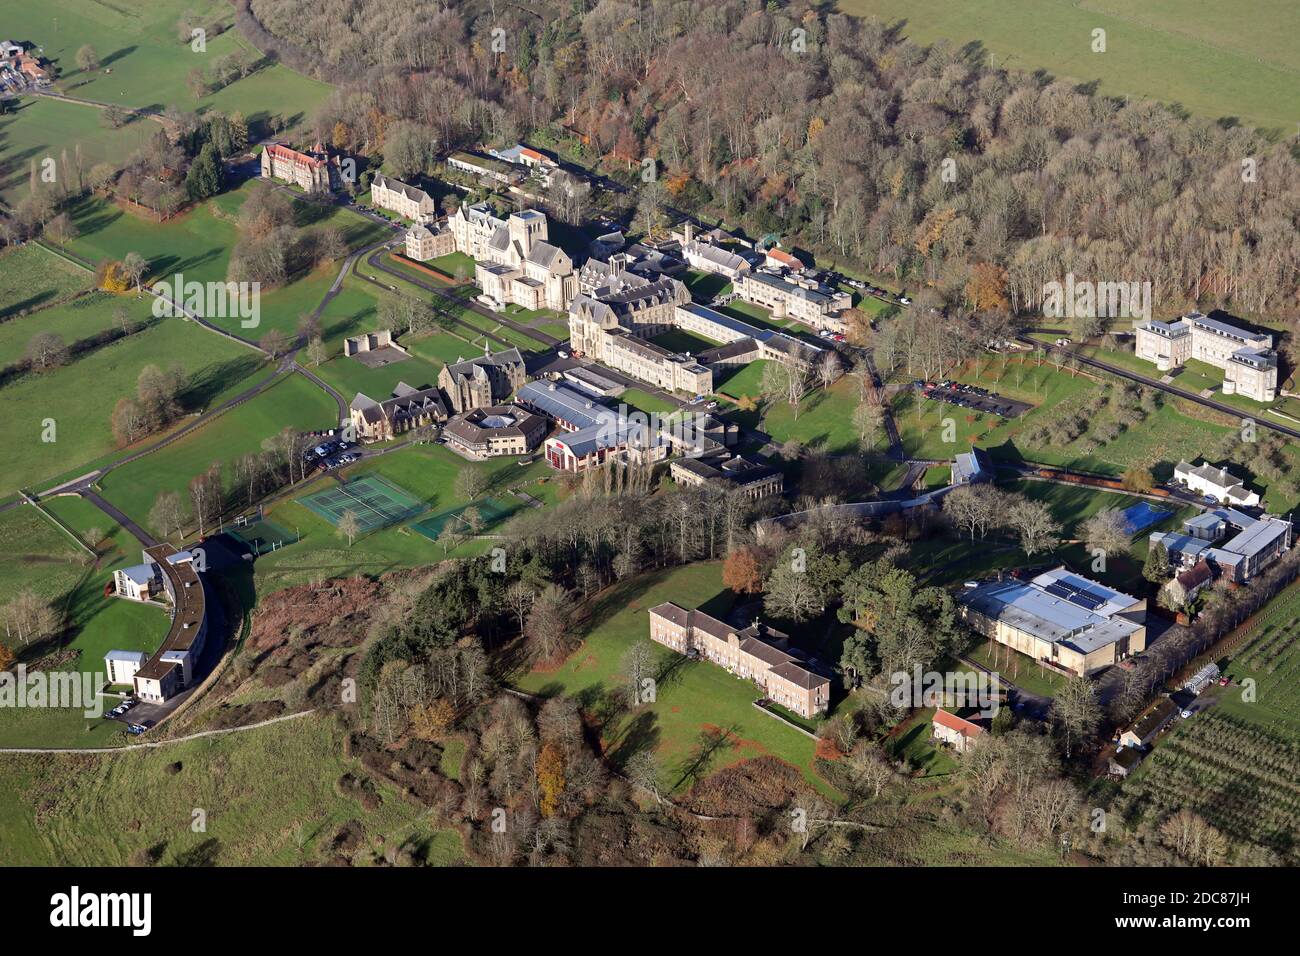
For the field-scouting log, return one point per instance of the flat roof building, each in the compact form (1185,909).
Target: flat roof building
(1060,619)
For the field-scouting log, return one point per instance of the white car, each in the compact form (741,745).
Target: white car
(905,300)
(562,353)
(1186,714)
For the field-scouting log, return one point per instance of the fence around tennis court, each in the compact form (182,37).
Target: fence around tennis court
(374,500)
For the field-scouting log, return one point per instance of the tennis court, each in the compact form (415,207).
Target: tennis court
(262,536)
(374,500)
(490,510)
(1142,515)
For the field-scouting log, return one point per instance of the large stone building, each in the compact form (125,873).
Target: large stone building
(800,299)
(313,171)
(487,379)
(405,200)
(425,242)
(1060,619)
(514,262)
(407,408)
(758,653)
(1247,358)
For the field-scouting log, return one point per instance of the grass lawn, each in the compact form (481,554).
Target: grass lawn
(196,243)
(79,397)
(681,341)
(1249,61)
(32,277)
(145,62)
(35,554)
(640,401)
(293,402)
(41,129)
(747,380)
(825,419)
(442,348)
(913,743)
(72,321)
(270,795)
(706,286)
(694,697)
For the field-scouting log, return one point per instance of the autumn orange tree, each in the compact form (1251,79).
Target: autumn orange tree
(987,287)
(7,657)
(741,572)
(550,779)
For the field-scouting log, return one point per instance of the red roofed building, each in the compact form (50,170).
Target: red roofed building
(779,257)
(960,733)
(315,171)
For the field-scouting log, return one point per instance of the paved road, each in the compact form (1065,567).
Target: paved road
(155,743)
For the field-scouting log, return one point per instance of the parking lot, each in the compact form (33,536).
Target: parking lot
(972,397)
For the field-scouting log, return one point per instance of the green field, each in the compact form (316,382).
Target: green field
(270,795)
(1247,61)
(692,696)
(43,129)
(1271,659)
(429,473)
(79,397)
(292,402)
(73,321)
(32,277)
(145,63)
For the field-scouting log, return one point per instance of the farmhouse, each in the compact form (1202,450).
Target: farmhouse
(758,653)
(1234,543)
(750,478)
(408,201)
(494,431)
(1183,587)
(1218,483)
(312,171)
(957,732)
(487,379)
(1247,358)
(407,408)
(1060,619)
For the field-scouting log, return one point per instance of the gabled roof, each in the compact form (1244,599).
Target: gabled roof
(960,724)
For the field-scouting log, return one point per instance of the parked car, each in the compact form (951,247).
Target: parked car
(1186,714)
(562,354)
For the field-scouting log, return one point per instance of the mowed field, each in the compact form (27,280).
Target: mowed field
(41,129)
(145,62)
(79,397)
(1237,59)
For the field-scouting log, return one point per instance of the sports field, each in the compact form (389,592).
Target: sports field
(491,511)
(375,501)
(1237,59)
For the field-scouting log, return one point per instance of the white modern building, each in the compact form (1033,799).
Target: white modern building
(1235,544)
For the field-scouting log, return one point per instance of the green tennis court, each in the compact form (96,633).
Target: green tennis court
(263,536)
(374,500)
(490,509)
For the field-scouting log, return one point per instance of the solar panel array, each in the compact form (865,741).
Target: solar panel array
(1075,594)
